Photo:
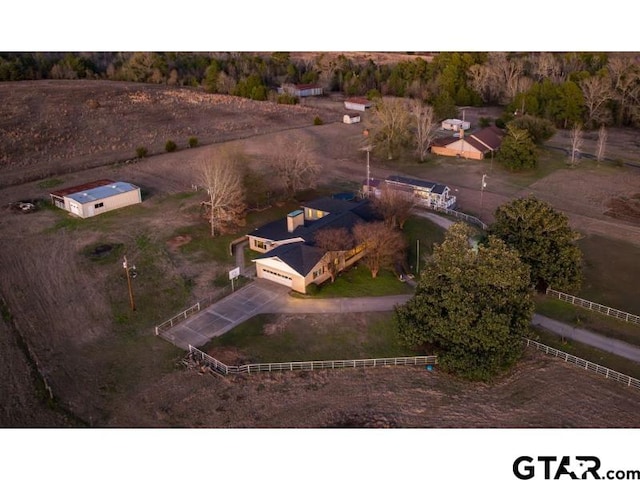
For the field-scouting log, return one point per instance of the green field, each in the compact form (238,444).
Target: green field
(314,337)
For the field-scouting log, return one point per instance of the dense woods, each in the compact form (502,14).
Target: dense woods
(593,89)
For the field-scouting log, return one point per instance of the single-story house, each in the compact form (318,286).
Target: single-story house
(93,198)
(289,255)
(455,124)
(357,103)
(424,192)
(350,118)
(474,146)
(301,89)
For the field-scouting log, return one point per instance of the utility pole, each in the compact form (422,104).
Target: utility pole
(482,187)
(418,258)
(125,265)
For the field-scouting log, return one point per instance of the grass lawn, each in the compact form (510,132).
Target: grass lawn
(426,233)
(357,282)
(611,273)
(594,355)
(314,337)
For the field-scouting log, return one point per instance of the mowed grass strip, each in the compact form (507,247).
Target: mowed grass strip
(273,338)
(589,320)
(609,360)
(357,282)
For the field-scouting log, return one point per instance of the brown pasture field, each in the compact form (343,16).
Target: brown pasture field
(102,362)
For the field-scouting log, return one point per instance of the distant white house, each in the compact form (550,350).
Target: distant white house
(455,124)
(357,103)
(94,198)
(350,118)
(423,192)
(301,89)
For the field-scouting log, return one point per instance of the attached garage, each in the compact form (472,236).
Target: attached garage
(281,278)
(97,197)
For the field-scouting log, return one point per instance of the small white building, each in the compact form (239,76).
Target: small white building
(301,89)
(357,103)
(455,124)
(94,198)
(350,118)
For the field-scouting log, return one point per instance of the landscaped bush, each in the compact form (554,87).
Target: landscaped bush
(318,121)
(484,122)
(193,142)
(141,152)
(170,146)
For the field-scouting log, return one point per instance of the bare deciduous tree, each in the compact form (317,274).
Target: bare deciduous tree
(602,143)
(425,125)
(576,143)
(296,168)
(336,241)
(625,80)
(597,92)
(391,122)
(221,176)
(545,65)
(384,245)
(394,205)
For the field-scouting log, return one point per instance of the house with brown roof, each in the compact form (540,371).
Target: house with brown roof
(357,103)
(474,146)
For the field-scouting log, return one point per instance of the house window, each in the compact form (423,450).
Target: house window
(318,272)
(319,214)
(99,205)
(259,244)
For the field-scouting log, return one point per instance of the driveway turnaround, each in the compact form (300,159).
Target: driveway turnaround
(225,314)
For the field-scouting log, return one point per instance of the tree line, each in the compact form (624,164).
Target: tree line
(566,88)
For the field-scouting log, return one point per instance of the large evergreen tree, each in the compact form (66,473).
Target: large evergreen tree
(544,240)
(471,306)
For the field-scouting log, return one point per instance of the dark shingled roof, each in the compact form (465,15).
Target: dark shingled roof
(342,214)
(331,205)
(299,256)
(432,186)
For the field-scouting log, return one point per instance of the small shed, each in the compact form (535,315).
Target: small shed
(357,103)
(350,118)
(94,198)
(455,124)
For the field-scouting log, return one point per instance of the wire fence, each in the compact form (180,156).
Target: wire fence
(224,369)
(596,307)
(586,364)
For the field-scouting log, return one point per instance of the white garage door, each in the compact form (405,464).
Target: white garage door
(75,209)
(277,277)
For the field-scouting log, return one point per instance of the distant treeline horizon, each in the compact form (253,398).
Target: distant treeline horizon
(588,88)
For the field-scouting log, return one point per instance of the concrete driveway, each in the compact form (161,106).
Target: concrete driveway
(225,314)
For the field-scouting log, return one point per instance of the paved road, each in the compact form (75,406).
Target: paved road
(607,344)
(288,304)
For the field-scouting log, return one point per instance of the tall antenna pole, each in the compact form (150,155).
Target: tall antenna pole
(368,172)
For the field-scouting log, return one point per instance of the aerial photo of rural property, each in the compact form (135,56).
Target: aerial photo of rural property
(320,239)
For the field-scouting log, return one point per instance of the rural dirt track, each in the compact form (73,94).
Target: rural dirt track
(74,333)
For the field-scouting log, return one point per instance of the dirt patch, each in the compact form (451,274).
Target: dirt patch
(625,208)
(178,241)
